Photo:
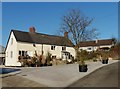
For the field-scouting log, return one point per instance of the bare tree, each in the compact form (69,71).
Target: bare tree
(76,25)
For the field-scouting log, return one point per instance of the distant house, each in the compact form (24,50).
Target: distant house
(22,43)
(89,46)
(2,54)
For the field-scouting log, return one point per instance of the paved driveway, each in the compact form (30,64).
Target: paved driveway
(59,76)
(52,76)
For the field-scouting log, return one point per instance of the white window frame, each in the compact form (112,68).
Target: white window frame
(53,47)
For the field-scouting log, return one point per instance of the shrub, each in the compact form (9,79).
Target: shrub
(115,51)
(82,56)
(48,58)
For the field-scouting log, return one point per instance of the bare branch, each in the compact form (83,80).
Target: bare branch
(76,25)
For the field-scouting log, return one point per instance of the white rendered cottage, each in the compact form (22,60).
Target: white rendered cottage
(104,44)
(22,43)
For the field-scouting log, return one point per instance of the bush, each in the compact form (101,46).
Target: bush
(94,59)
(115,51)
(92,55)
(82,56)
(48,59)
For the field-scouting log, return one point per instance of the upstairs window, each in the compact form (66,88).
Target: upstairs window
(64,48)
(11,54)
(11,41)
(52,47)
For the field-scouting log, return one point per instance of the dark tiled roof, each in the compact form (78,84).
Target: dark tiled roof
(39,38)
(96,43)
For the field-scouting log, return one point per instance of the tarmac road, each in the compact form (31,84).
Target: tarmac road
(106,76)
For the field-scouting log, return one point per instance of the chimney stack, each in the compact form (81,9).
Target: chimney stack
(32,29)
(66,34)
(96,41)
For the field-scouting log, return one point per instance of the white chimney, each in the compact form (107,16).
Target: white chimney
(96,41)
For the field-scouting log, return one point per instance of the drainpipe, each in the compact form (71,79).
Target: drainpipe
(42,49)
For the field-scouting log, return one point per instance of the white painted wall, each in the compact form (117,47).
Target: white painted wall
(109,46)
(86,48)
(12,47)
(71,50)
(46,48)
(22,46)
(94,48)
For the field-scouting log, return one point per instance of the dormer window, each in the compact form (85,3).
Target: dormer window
(52,47)
(11,41)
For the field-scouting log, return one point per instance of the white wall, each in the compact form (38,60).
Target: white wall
(71,50)
(22,46)
(46,48)
(11,47)
(109,46)
(94,48)
(86,48)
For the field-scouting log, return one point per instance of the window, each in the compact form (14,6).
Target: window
(53,57)
(34,45)
(89,48)
(23,52)
(11,54)
(69,56)
(52,47)
(64,48)
(20,53)
(11,41)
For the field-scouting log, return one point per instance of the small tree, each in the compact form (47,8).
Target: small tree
(82,56)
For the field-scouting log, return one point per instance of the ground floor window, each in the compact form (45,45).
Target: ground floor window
(89,48)
(22,53)
(53,57)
